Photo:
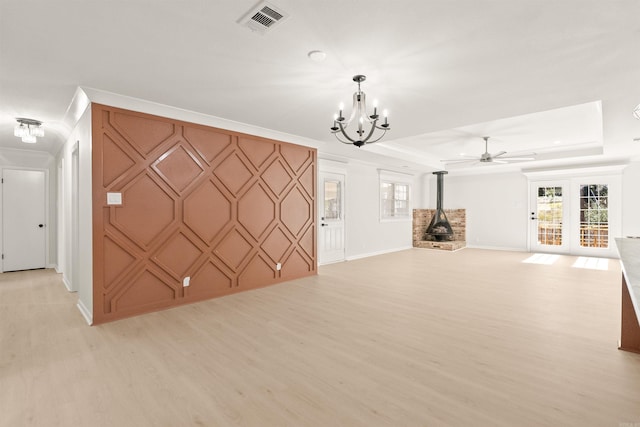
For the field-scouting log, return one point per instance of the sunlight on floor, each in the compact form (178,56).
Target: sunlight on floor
(547,259)
(591,263)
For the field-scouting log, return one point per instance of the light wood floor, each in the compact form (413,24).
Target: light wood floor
(413,338)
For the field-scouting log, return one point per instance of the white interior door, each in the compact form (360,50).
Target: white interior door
(549,217)
(331,246)
(23,219)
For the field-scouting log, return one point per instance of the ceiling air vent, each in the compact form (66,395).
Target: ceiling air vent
(264,16)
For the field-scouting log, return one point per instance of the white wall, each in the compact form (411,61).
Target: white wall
(365,233)
(631,200)
(29,159)
(496,207)
(77,272)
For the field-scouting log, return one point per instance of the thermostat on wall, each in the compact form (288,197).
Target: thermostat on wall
(114,198)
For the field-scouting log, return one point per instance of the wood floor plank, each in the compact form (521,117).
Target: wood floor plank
(413,338)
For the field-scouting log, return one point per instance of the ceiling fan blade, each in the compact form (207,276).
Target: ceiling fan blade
(517,159)
(471,159)
(502,162)
(501,153)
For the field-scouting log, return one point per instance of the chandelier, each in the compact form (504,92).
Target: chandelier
(366,124)
(28,130)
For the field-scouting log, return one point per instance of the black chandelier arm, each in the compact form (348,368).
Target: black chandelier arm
(373,129)
(363,141)
(353,141)
(377,139)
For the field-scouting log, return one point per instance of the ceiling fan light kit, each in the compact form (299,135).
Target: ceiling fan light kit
(362,118)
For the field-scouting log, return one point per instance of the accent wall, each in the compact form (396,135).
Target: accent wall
(184,212)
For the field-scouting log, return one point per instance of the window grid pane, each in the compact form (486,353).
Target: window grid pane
(395,201)
(594,216)
(550,216)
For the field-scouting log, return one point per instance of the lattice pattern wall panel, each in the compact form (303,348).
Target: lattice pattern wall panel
(218,207)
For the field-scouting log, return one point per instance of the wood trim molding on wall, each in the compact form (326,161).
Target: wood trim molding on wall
(184,212)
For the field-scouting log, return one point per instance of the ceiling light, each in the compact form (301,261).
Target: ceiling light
(636,112)
(317,55)
(28,130)
(359,114)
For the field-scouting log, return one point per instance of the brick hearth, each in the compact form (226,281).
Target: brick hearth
(458,221)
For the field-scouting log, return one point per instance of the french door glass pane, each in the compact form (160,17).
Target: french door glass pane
(550,216)
(594,216)
(332,197)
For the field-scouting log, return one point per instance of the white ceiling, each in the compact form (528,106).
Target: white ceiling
(555,77)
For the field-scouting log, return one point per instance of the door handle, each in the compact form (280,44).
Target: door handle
(323,224)
(533,216)
(40,225)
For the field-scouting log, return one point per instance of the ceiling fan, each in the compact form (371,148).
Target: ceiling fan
(487,157)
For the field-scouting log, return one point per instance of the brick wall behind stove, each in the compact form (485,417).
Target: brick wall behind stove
(457,219)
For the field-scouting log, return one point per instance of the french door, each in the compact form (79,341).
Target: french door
(331,242)
(549,217)
(578,216)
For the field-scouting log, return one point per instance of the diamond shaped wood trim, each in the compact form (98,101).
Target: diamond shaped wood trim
(146,211)
(176,255)
(233,173)
(295,156)
(277,177)
(257,273)
(295,211)
(209,281)
(220,207)
(257,151)
(276,244)
(117,261)
(233,249)
(256,210)
(207,211)
(295,266)
(308,181)
(307,242)
(116,161)
(208,143)
(178,168)
(142,132)
(147,289)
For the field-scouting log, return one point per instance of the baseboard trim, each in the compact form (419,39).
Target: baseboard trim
(370,254)
(67,284)
(497,248)
(85,313)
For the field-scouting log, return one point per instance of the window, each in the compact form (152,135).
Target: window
(394,200)
(550,215)
(594,216)
(332,198)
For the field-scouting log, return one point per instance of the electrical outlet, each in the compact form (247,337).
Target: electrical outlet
(278,266)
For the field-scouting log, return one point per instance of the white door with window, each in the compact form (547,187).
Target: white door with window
(331,247)
(23,219)
(549,217)
(578,216)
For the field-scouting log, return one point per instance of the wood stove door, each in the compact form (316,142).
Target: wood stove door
(331,211)
(549,217)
